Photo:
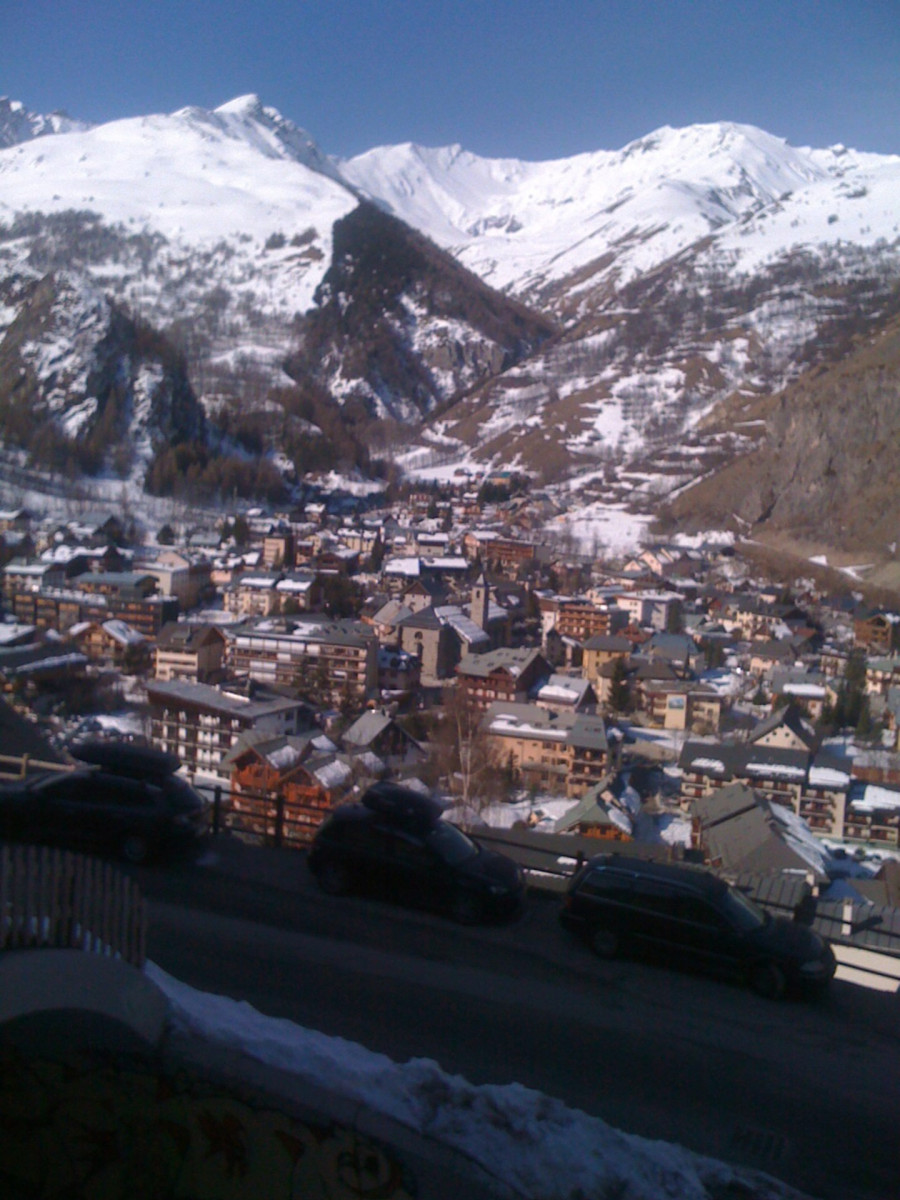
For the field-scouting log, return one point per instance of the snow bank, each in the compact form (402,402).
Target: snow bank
(535,1144)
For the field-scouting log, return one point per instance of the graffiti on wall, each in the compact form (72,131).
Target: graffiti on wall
(102,1128)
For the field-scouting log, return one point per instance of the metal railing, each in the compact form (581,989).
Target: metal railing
(261,818)
(53,898)
(866,939)
(19,766)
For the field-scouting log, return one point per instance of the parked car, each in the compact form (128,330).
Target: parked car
(137,812)
(691,917)
(395,844)
(126,758)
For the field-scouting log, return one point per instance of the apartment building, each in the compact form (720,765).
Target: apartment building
(201,724)
(814,787)
(192,652)
(339,656)
(565,753)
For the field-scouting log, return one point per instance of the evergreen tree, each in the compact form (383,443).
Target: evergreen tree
(619,692)
(376,554)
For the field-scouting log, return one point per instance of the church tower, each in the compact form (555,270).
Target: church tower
(480,602)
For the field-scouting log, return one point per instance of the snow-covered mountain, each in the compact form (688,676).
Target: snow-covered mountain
(642,298)
(691,265)
(19,125)
(525,227)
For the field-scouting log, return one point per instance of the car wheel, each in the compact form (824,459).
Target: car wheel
(467,908)
(134,848)
(333,879)
(604,942)
(767,980)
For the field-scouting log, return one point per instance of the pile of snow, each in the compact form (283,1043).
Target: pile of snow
(536,1145)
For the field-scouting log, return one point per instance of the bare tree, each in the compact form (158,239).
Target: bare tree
(463,754)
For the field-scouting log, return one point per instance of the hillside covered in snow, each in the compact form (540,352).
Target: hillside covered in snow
(620,314)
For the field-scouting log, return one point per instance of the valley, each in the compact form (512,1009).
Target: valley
(205,302)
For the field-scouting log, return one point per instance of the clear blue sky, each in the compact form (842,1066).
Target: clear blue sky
(529,79)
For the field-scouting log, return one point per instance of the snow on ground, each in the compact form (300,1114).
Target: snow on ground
(597,527)
(123,724)
(724,682)
(670,829)
(532,1142)
(538,812)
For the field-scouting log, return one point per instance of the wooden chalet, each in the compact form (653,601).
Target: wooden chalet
(284,780)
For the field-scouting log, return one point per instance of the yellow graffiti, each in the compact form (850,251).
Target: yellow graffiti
(108,1130)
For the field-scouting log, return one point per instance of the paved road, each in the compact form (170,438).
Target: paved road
(808,1092)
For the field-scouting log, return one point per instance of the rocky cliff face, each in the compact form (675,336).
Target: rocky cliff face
(621,316)
(826,470)
(18,125)
(399,327)
(85,387)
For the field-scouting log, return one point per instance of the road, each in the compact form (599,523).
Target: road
(807,1092)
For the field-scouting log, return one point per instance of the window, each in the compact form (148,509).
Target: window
(741,911)
(410,853)
(450,843)
(611,885)
(698,911)
(653,895)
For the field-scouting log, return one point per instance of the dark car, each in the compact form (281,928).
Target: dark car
(690,917)
(136,812)
(395,844)
(127,758)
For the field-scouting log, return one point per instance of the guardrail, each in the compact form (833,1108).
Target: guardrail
(550,859)
(866,940)
(262,818)
(19,766)
(53,898)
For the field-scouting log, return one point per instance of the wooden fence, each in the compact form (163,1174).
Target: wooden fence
(53,898)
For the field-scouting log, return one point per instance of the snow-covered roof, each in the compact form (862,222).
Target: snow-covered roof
(409,567)
(708,764)
(123,633)
(771,770)
(828,777)
(285,758)
(334,774)
(875,798)
(469,632)
(809,691)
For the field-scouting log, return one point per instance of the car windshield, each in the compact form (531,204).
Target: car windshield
(741,910)
(451,844)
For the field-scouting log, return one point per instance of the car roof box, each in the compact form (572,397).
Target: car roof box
(126,758)
(401,804)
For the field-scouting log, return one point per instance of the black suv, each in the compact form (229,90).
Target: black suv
(692,918)
(395,844)
(129,802)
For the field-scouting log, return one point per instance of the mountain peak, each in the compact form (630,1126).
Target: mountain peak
(247,119)
(17,124)
(242,106)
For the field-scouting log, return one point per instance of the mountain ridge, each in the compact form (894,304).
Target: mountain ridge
(692,266)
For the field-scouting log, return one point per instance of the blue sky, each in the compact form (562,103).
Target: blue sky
(521,78)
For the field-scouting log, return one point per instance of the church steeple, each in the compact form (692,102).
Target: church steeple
(480,602)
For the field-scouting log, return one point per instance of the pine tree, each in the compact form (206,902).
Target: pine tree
(619,692)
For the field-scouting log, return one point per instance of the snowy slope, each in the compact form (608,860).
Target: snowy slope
(238,174)
(690,267)
(519,224)
(17,124)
